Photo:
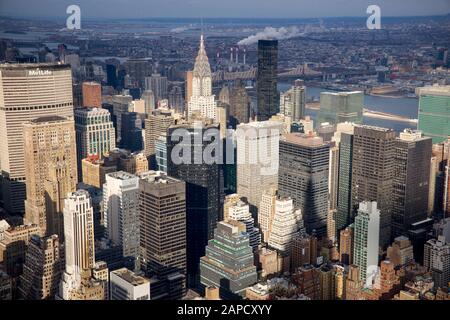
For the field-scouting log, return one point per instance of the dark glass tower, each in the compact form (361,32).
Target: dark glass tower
(266,79)
(344,209)
(411,181)
(131,132)
(303,176)
(203,188)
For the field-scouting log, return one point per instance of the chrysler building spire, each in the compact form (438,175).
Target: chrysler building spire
(202,100)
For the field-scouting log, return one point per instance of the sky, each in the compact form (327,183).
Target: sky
(221,8)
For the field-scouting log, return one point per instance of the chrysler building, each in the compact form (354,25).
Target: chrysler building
(202,100)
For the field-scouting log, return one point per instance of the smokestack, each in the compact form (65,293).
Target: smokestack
(231,54)
(237,55)
(244,55)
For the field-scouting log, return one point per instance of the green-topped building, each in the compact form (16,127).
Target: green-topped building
(434,112)
(229,262)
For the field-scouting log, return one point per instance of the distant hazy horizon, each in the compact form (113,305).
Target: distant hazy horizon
(215,9)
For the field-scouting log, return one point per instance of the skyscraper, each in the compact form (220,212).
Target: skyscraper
(266,79)
(237,209)
(303,175)
(344,190)
(434,112)
(293,101)
(158,85)
(79,241)
(202,100)
(95,133)
(149,101)
(287,224)
(346,246)
(176,100)
(203,188)
(42,269)
(239,102)
(373,173)
(92,94)
(121,212)
(411,180)
(437,260)
(366,241)
(162,207)
(229,263)
(157,123)
(131,132)
(51,171)
(257,159)
(267,211)
(341,107)
(29,91)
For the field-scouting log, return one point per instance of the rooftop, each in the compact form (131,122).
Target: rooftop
(130,277)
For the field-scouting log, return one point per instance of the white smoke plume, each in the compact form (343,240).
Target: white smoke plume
(180,29)
(270,33)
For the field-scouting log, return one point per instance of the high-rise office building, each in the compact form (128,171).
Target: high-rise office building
(373,173)
(121,104)
(126,285)
(149,101)
(202,100)
(137,70)
(366,241)
(158,85)
(111,75)
(239,102)
(344,141)
(29,91)
(188,86)
(42,269)
(121,212)
(79,246)
(203,187)
(257,159)
(266,79)
(229,262)
(92,94)
(51,171)
(346,246)
(237,209)
(176,100)
(293,101)
(14,247)
(157,123)
(287,224)
(336,107)
(437,260)
(95,133)
(303,175)
(131,132)
(411,180)
(162,207)
(434,112)
(267,211)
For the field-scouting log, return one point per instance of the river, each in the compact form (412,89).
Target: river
(407,107)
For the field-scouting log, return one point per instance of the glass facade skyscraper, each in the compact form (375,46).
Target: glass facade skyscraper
(266,79)
(434,112)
